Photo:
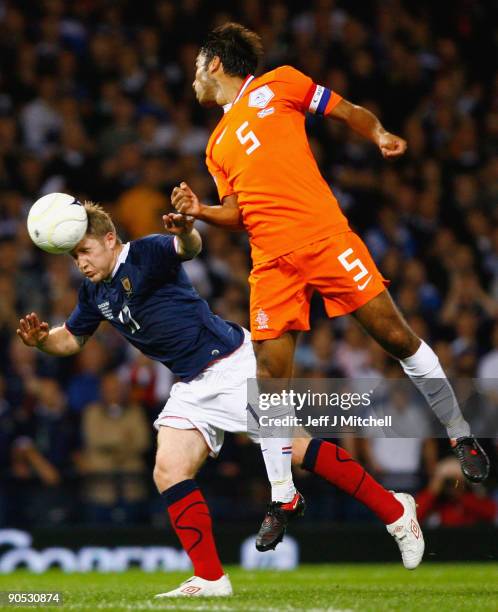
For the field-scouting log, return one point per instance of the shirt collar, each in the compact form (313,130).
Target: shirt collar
(242,89)
(121,259)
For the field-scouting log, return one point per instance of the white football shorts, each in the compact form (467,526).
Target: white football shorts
(215,401)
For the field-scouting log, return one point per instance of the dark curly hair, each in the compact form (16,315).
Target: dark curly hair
(238,48)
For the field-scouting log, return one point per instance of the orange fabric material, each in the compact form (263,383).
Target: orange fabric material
(281,289)
(260,151)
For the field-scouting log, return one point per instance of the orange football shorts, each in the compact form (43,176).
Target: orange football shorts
(339,267)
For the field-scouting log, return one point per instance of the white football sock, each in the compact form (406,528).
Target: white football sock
(428,376)
(277,453)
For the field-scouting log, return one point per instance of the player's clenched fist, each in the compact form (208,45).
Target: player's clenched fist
(177,224)
(391,145)
(32,331)
(185,201)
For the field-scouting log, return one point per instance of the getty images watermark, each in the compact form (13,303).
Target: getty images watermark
(373,408)
(293,402)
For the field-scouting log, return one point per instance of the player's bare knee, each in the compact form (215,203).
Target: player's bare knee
(401,342)
(166,474)
(263,370)
(270,367)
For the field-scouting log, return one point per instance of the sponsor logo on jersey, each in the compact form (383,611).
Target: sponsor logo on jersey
(262,319)
(105,309)
(260,97)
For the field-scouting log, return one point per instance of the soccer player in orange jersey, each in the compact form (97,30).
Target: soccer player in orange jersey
(269,183)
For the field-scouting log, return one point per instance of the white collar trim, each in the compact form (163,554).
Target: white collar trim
(121,258)
(243,88)
(228,106)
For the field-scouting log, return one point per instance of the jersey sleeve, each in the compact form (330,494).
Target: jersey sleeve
(85,318)
(158,251)
(220,180)
(305,95)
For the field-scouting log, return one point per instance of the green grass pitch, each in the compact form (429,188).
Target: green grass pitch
(332,588)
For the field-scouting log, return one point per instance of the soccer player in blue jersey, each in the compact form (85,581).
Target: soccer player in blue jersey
(141,289)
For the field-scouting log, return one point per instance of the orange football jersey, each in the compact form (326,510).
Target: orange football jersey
(260,151)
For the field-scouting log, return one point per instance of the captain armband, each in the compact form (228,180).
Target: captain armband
(317,99)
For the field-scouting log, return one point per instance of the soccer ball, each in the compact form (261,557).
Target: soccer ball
(57,222)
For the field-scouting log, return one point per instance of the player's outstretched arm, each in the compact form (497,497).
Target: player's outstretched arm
(56,341)
(367,125)
(227,215)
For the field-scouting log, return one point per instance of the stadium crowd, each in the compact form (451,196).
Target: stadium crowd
(96,100)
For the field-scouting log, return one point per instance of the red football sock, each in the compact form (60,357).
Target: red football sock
(338,467)
(190,518)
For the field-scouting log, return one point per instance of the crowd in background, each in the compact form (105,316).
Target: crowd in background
(96,100)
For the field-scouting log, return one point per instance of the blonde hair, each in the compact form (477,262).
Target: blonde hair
(99,221)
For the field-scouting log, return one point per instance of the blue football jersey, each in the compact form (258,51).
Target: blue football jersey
(152,303)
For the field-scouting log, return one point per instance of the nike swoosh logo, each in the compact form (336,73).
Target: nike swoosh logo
(218,140)
(361,287)
(434,393)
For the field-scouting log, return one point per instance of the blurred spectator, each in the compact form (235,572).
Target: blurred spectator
(149,382)
(466,293)
(415,276)
(318,354)
(122,130)
(388,233)
(401,456)
(74,165)
(46,452)
(6,430)
(488,368)
(84,386)
(466,328)
(115,437)
(449,500)
(352,351)
(147,197)
(7,436)
(8,319)
(20,370)
(40,119)
(491,264)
